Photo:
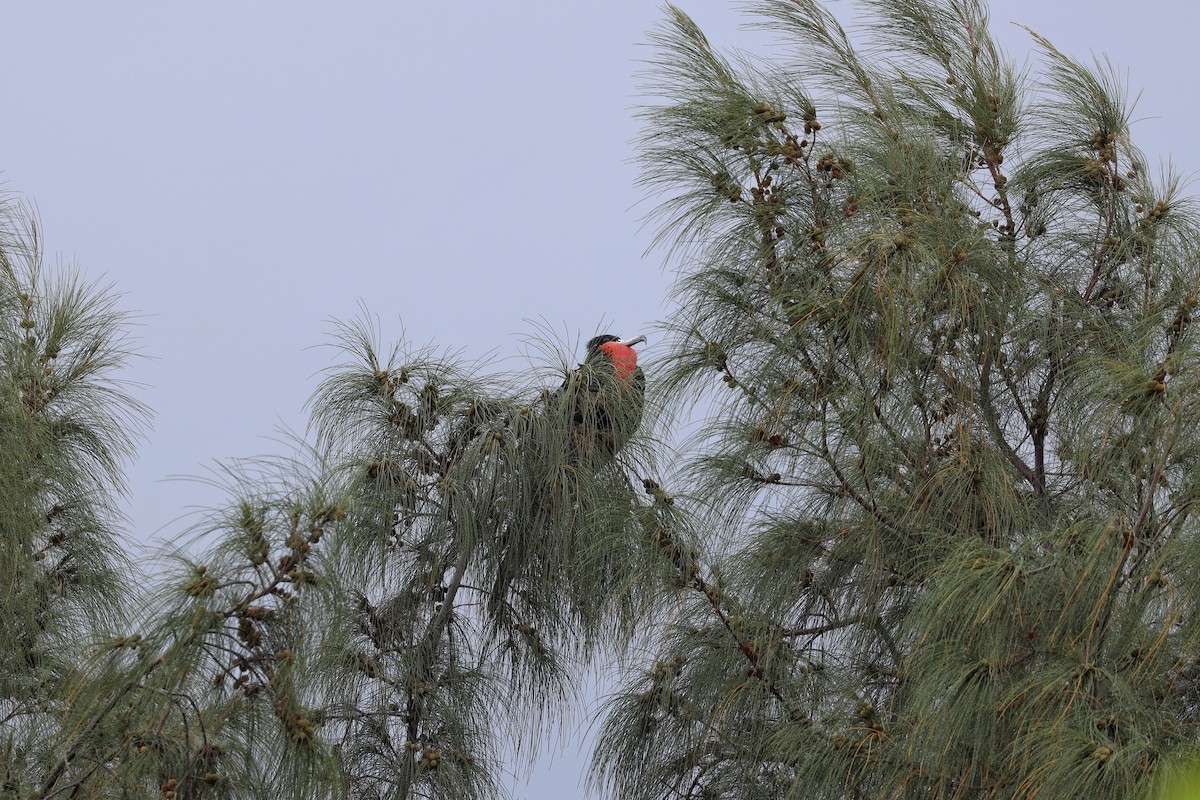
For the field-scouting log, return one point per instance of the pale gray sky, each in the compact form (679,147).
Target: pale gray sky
(244,172)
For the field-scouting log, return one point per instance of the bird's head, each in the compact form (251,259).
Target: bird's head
(619,351)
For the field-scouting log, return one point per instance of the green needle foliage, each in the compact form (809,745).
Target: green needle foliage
(488,545)
(393,615)
(936,540)
(65,427)
(951,477)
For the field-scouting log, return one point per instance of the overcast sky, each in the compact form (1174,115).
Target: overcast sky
(246,172)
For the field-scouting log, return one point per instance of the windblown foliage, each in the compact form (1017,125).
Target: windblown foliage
(937,540)
(65,427)
(488,546)
(956,451)
(383,617)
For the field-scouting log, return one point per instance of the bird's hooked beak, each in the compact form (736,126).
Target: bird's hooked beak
(633,341)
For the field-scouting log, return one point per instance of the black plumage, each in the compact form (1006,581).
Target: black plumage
(605,395)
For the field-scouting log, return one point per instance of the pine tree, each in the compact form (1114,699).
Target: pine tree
(393,612)
(65,427)
(943,314)
(936,540)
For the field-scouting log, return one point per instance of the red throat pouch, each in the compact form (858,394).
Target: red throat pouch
(624,359)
